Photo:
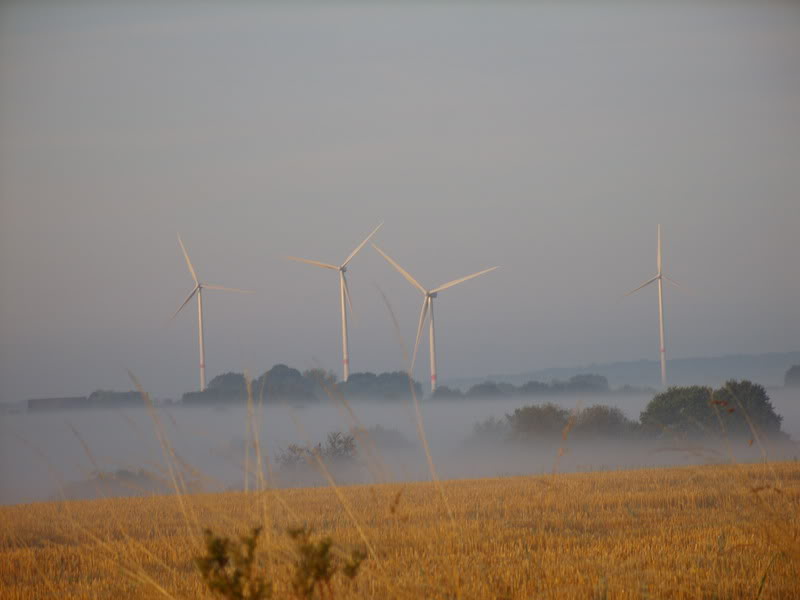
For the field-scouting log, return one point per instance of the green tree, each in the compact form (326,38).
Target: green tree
(533,421)
(745,405)
(601,420)
(733,409)
(684,410)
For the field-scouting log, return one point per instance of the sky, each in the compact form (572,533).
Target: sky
(548,139)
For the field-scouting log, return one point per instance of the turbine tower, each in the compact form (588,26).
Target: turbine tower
(660,277)
(427,306)
(198,291)
(344,296)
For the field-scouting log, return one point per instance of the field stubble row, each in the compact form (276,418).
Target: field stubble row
(713,531)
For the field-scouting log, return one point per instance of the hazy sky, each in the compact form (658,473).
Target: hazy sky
(548,139)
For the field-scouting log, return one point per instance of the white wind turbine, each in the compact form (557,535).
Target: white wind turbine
(659,278)
(344,296)
(198,291)
(427,305)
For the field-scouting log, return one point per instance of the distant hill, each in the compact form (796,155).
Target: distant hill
(766,369)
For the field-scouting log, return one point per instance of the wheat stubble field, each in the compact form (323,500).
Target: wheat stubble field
(699,532)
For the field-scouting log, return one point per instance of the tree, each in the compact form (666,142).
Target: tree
(283,383)
(385,386)
(444,392)
(488,389)
(681,410)
(746,405)
(734,409)
(544,420)
(225,388)
(792,378)
(601,420)
(228,382)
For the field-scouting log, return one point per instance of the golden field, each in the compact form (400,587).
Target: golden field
(694,532)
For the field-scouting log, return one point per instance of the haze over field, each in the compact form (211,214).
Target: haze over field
(546,139)
(41,452)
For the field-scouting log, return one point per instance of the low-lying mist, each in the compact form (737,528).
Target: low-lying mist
(76,451)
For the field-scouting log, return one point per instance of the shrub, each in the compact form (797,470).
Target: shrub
(228,568)
(603,421)
(538,420)
(445,393)
(696,410)
(745,404)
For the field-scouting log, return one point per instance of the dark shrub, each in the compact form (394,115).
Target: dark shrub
(603,421)
(544,420)
(696,411)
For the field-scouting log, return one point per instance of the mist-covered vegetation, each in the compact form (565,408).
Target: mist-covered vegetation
(737,409)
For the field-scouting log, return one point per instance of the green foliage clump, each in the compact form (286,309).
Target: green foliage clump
(601,420)
(338,447)
(538,420)
(734,409)
(315,567)
(228,567)
(383,386)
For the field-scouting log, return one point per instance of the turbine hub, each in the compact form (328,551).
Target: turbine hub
(432,294)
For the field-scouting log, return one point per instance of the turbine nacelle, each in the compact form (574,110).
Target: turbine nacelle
(198,291)
(427,309)
(344,294)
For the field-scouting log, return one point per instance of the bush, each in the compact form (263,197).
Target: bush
(546,420)
(384,386)
(338,447)
(282,383)
(603,421)
(229,568)
(751,398)
(694,411)
(445,393)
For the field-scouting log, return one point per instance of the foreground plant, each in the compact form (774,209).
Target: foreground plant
(228,569)
(315,568)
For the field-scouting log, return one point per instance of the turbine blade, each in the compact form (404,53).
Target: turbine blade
(185,302)
(314,262)
(658,255)
(226,289)
(462,280)
(402,271)
(188,262)
(360,246)
(347,297)
(646,283)
(682,287)
(422,315)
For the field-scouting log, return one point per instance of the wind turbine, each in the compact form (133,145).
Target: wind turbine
(659,278)
(198,291)
(344,296)
(427,305)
